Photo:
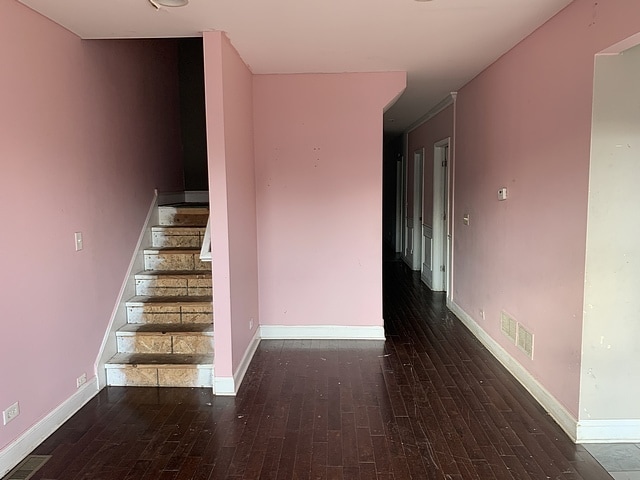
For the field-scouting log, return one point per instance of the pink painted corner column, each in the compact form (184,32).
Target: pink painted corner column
(229,109)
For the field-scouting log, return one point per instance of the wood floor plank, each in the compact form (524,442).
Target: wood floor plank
(429,403)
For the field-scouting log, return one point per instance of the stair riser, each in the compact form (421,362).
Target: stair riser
(169,314)
(166,343)
(167,239)
(178,217)
(175,261)
(131,376)
(174,287)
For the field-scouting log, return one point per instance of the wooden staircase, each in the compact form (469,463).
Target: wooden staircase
(168,338)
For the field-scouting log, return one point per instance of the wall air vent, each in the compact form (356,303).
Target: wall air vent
(508,326)
(28,467)
(525,341)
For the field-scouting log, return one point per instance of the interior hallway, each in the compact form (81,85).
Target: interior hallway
(430,402)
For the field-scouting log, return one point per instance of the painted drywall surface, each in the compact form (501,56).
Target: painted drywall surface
(318,151)
(524,124)
(87,131)
(228,84)
(426,136)
(241,198)
(610,386)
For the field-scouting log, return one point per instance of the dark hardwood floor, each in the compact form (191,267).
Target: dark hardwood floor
(429,403)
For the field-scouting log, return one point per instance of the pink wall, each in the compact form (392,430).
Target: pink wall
(228,85)
(524,123)
(87,131)
(318,150)
(425,136)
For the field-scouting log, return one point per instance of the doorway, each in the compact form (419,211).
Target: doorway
(413,213)
(441,237)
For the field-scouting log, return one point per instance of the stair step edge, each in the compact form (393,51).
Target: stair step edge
(178,227)
(171,250)
(164,360)
(132,329)
(168,300)
(152,274)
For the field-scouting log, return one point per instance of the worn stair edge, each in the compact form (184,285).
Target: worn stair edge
(178,274)
(166,328)
(164,360)
(174,301)
(171,250)
(178,229)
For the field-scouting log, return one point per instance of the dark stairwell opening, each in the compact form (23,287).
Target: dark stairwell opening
(192,114)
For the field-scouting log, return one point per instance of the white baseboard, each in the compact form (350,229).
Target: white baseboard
(609,431)
(230,385)
(321,332)
(557,411)
(108,348)
(17,450)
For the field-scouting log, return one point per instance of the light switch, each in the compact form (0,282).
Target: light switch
(465,219)
(78,237)
(502,193)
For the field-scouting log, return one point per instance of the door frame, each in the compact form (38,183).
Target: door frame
(399,238)
(441,265)
(418,196)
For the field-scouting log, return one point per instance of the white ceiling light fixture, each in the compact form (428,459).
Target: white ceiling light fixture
(169,3)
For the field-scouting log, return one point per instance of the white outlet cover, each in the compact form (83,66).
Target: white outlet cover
(78,239)
(10,413)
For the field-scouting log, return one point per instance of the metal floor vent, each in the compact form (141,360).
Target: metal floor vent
(28,467)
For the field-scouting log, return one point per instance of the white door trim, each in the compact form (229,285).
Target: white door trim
(399,199)
(441,213)
(418,189)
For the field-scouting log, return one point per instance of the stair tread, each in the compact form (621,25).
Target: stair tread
(155,360)
(172,250)
(178,227)
(186,204)
(162,328)
(191,207)
(143,299)
(200,274)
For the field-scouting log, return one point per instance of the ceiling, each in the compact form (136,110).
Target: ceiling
(441,44)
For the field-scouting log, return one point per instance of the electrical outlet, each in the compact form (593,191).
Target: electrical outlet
(251,324)
(81,380)
(482,314)
(10,413)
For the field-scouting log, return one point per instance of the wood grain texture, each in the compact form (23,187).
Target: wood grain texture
(429,403)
